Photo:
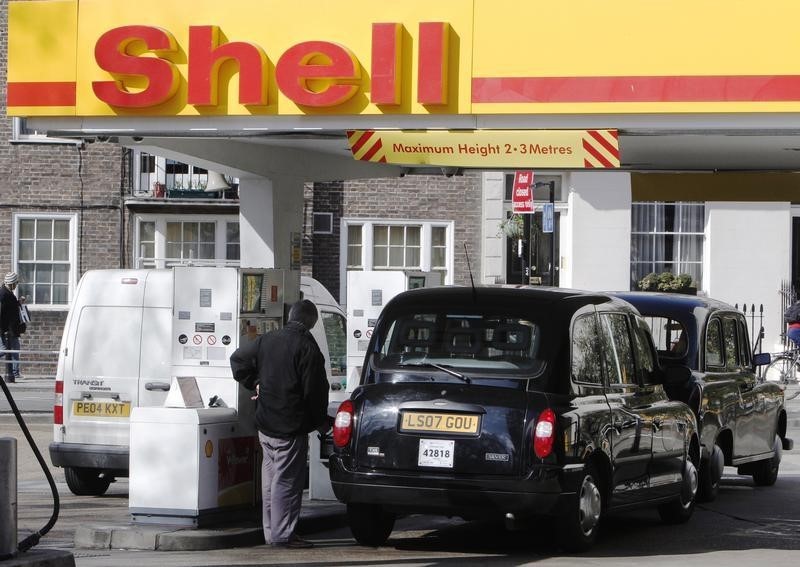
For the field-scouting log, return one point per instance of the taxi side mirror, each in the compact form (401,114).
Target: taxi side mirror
(761,359)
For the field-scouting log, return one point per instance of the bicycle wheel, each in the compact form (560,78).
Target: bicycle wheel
(782,370)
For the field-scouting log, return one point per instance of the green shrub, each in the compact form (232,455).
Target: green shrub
(665,281)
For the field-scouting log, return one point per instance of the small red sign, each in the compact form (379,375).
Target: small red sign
(522,192)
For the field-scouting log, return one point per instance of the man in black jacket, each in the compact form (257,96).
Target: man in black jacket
(10,324)
(287,369)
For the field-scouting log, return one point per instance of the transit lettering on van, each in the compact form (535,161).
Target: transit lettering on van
(88,382)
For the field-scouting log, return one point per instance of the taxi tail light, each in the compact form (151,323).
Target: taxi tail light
(58,403)
(343,424)
(544,434)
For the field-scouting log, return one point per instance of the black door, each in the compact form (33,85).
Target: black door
(534,264)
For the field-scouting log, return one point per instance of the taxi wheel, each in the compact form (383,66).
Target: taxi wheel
(370,524)
(711,475)
(578,528)
(86,482)
(765,472)
(681,509)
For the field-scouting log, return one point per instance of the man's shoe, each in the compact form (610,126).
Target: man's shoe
(10,380)
(294,542)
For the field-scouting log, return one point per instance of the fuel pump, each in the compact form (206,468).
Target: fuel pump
(196,459)
(367,293)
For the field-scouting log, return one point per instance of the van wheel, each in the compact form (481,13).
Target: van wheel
(86,482)
(370,523)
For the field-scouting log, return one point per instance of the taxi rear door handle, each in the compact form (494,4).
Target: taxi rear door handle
(163,386)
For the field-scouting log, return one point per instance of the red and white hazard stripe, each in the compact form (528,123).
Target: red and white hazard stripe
(601,149)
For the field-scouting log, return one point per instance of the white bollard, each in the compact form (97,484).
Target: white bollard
(8,497)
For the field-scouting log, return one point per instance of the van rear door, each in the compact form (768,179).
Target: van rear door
(104,375)
(118,336)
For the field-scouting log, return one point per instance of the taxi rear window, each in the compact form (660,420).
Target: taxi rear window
(491,343)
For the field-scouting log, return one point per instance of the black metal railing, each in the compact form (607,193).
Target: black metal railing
(755,317)
(43,361)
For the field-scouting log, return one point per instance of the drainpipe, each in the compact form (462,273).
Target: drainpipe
(8,497)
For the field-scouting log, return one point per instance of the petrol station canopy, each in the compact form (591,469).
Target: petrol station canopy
(356,88)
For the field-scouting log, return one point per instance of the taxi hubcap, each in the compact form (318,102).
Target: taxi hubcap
(690,484)
(589,504)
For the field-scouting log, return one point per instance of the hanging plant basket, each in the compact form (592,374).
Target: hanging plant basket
(512,227)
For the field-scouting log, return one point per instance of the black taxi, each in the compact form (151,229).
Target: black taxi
(513,403)
(704,347)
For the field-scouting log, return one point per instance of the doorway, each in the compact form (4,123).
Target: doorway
(534,265)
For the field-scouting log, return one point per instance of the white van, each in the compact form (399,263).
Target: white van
(116,355)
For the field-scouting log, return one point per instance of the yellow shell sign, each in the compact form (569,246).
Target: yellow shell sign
(416,57)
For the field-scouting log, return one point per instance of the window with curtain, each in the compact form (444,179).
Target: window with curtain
(45,258)
(163,241)
(399,245)
(354,242)
(191,240)
(667,237)
(396,246)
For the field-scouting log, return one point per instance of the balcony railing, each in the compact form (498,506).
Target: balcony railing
(161,191)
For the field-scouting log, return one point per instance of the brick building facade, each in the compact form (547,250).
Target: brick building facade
(85,180)
(413,198)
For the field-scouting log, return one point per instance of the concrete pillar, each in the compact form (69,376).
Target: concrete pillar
(271,227)
(596,240)
(8,497)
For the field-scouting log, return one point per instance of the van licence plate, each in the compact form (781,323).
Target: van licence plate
(101,409)
(439,422)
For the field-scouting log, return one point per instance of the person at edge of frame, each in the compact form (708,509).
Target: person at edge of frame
(11,326)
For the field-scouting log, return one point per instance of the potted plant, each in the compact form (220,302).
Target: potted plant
(668,282)
(512,227)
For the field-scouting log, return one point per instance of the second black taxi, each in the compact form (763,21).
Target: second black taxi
(704,346)
(512,403)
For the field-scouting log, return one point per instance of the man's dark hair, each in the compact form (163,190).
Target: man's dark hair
(304,312)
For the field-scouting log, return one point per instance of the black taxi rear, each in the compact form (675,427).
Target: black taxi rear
(515,404)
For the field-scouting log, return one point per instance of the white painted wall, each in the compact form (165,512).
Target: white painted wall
(269,211)
(746,255)
(493,246)
(596,237)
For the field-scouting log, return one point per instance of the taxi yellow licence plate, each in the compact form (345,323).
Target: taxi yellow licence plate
(101,409)
(440,422)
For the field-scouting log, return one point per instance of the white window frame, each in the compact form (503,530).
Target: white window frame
(367,240)
(72,279)
(676,234)
(220,242)
(22,135)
